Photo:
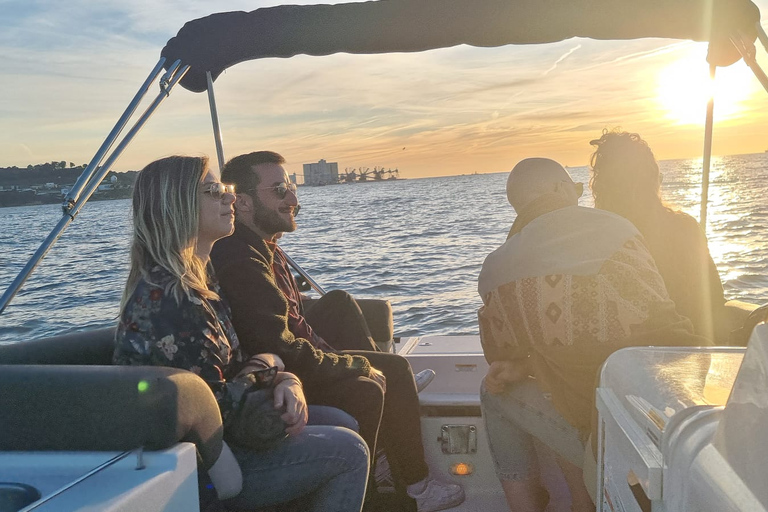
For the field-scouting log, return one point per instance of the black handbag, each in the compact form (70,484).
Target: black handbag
(253,421)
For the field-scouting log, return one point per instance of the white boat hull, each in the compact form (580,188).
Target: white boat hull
(167,482)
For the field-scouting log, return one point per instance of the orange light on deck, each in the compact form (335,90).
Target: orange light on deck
(462,469)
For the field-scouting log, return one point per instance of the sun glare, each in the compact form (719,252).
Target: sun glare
(684,87)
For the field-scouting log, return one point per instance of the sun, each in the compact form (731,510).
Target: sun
(684,87)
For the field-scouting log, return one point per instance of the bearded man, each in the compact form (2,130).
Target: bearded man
(354,381)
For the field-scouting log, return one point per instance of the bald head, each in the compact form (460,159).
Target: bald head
(534,177)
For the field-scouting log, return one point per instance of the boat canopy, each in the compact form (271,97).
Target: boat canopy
(216,42)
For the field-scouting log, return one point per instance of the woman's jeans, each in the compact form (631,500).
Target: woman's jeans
(512,420)
(326,466)
(331,416)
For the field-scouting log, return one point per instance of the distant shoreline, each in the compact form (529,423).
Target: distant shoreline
(58,200)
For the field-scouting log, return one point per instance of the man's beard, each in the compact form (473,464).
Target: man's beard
(270,221)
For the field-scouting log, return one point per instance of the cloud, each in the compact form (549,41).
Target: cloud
(561,59)
(70,69)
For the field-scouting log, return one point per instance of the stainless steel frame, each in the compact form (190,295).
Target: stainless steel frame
(215,121)
(220,154)
(303,273)
(92,175)
(707,158)
(747,50)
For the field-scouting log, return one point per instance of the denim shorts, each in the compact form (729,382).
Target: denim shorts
(514,418)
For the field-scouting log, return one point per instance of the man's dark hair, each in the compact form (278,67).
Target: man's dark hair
(239,170)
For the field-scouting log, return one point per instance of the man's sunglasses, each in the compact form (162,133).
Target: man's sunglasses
(281,190)
(217,190)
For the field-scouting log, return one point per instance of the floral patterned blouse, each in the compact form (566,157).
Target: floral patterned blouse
(195,335)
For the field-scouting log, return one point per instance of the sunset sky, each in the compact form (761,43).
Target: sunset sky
(70,68)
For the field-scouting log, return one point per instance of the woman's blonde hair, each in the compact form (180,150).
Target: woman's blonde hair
(165,224)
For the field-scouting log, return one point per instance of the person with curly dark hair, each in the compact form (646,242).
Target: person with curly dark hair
(626,180)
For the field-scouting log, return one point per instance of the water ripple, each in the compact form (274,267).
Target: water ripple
(419,243)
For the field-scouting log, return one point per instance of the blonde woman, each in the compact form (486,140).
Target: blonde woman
(172,314)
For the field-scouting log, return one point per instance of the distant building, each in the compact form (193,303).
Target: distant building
(321,173)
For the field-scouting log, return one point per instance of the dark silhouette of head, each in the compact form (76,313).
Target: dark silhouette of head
(625,176)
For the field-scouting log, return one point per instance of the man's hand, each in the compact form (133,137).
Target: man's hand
(503,373)
(289,392)
(379,378)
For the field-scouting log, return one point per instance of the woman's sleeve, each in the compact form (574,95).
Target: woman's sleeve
(155,330)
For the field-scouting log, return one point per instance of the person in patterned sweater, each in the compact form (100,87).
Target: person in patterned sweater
(568,287)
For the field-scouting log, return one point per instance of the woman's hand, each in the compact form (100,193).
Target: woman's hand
(289,393)
(503,373)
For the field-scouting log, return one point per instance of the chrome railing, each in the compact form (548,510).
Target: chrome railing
(91,177)
(220,155)
(746,48)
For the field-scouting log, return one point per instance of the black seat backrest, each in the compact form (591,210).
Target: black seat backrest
(61,393)
(90,347)
(106,408)
(377,314)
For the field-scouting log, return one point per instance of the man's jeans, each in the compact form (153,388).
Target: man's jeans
(514,418)
(326,465)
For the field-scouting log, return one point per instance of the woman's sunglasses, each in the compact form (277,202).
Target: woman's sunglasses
(217,190)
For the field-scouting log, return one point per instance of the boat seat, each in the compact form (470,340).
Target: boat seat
(95,346)
(741,319)
(378,316)
(107,408)
(68,381)
(92,347)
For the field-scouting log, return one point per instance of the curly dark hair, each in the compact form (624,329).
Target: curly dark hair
(625,177)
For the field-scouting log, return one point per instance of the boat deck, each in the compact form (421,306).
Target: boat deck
(453,399)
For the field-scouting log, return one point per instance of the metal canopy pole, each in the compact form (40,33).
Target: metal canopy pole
(220,155)
(747,50)
(303,273)
(167,82)
(708,128)
(215,121)
(74,193)
(761,35)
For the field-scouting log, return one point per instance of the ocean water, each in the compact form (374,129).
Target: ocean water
(418,242)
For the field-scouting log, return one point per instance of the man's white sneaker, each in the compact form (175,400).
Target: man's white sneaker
(436,495)
(423,379)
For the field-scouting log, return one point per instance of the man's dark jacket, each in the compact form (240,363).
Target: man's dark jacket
(243,265)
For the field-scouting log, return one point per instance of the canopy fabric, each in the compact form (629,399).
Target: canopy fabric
(221,40)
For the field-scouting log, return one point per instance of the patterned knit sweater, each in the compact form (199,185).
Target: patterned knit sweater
(570,288)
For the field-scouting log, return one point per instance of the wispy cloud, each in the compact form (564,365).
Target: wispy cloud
(70,68)
(561,59)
